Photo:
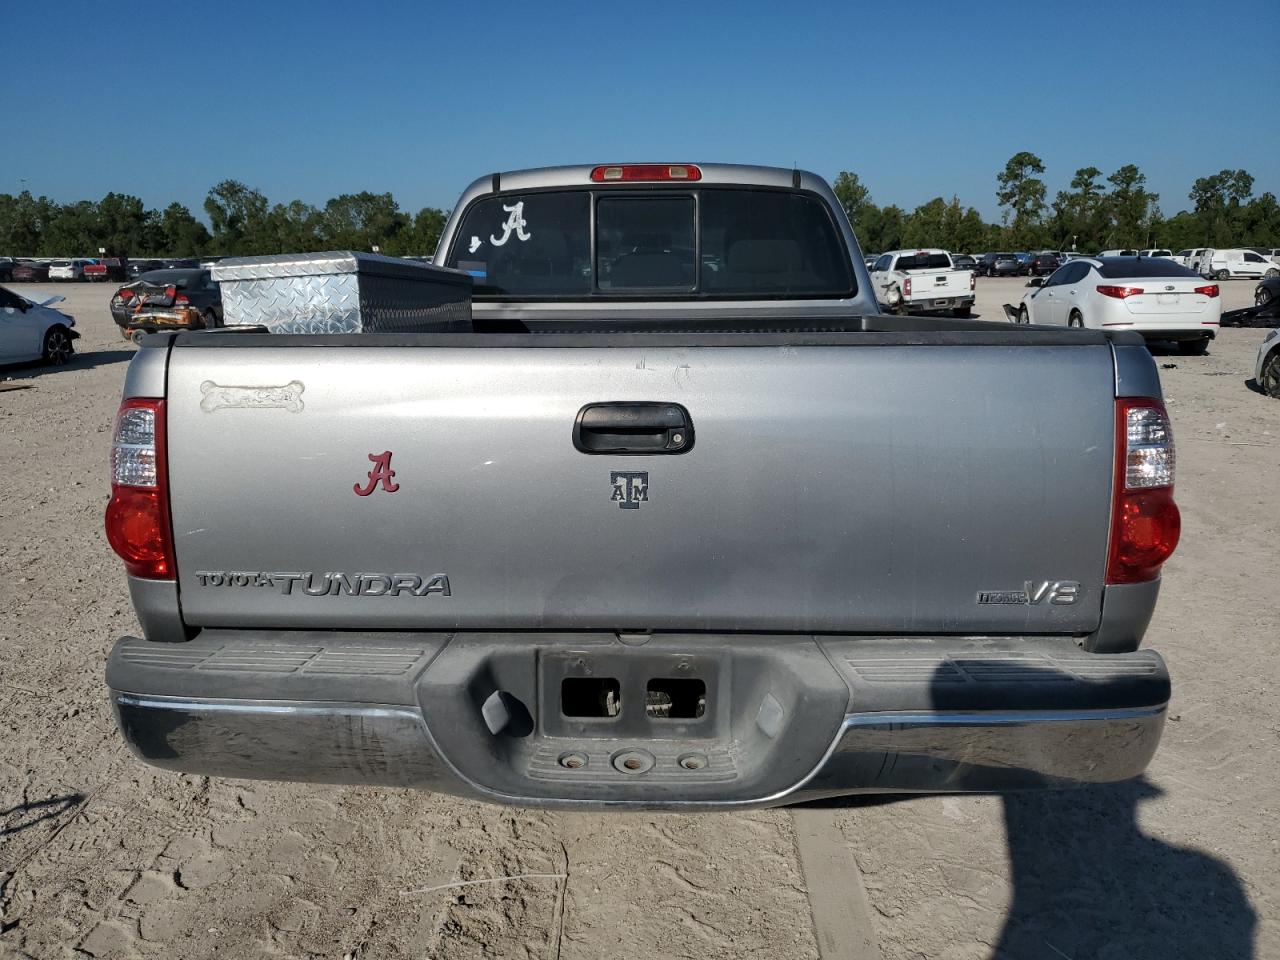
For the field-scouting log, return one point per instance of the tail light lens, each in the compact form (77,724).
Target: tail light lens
(906,287)
(180,299)
(124,294)
(1210,291)
(1145,523)
(1120,293)
(973,282)
(137,521)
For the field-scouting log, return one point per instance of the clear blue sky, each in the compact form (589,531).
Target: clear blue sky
(308,100)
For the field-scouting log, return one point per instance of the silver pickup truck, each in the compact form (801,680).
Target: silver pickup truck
(681,523)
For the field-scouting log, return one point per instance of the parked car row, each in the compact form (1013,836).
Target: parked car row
(1242,263)
(31,270)
(1020,264)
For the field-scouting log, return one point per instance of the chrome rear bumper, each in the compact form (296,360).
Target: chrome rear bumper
(770,735)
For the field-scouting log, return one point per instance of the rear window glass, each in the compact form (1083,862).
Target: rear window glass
(182,279)
(925,261)
(770,243)
(1123,268)
(531,244)
(645,243)
(710,243)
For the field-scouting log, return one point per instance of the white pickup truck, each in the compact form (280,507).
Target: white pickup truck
(922,281)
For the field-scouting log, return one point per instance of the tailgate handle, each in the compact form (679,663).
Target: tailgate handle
(633,428)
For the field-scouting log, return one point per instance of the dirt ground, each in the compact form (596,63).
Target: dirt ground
(102,856)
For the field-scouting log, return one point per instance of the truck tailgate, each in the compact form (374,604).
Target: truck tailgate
(851,487)
(926,284)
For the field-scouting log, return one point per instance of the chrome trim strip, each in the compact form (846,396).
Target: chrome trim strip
(974,718)
(243,707)
(1098,722)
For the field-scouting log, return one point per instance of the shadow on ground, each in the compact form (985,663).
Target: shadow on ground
(26,815)
(80,361)
(1088,883)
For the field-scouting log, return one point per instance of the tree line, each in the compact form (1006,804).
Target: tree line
(1095,212)
(242,222)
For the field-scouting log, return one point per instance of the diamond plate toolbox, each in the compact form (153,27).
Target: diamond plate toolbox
(343,291)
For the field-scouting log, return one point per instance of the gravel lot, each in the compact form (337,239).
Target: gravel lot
(102,856)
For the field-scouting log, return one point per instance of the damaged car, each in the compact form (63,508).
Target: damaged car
(167,300)
(34,331)
(1265,311)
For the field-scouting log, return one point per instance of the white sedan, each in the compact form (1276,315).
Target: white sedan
(1152,296)
(34,331)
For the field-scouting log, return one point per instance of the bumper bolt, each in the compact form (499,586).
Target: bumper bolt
(573,761)
(632,761)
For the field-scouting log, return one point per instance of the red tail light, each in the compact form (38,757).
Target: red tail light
(638,172)
(1145,523)
(906,287)
(181,298)
(1210,291)
(124,294)
(1119,293)
(137,521)
(973,282)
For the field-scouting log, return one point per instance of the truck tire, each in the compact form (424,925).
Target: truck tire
(1262,297)
(1273,272)
(209,320)
(1270,379)
(1222,275)
(137,335)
